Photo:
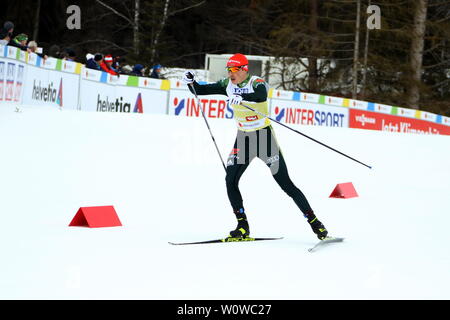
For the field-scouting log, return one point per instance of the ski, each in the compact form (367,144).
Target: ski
(223,240)
(325,241)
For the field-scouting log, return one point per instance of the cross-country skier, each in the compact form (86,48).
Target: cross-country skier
(255,138)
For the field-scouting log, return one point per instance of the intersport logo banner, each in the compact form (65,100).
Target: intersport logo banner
(362,119)
(309,113)
(185,104)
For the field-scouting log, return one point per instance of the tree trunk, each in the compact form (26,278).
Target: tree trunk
(417,43)
(366,52)
(136,27)
(356,51)
(312,60)
(159,30)
(36,21)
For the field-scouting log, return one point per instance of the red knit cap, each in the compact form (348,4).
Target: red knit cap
(238,60)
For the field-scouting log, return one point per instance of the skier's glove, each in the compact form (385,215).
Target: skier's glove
(235,99)
(188,77)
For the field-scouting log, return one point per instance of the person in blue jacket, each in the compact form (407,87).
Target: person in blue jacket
(156,72)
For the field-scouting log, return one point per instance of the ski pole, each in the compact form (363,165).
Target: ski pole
(207,125)
(306,136)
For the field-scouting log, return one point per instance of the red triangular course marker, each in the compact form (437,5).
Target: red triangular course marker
(96,217)
(344,190)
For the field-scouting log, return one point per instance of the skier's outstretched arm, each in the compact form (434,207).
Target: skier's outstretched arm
(203,89)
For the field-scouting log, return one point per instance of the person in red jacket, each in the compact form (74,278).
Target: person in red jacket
(106,65)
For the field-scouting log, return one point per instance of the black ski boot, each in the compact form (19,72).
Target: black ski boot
(242,230)
(317,226)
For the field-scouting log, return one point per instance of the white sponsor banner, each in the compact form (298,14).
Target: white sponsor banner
(309,113)
(50,88)
(428,116)
(34,59)
(12,78)
(11,52)
(67,85)
(19,82)
(282,94)
(334,101)
(184,103)
(49,63)
(97,96)
(177,84)
(116,80)
(90,74)
(69,66)
(149,83)
(404,112)
(108,97)
(446,120)
(309,97)
(144,100)
(383,108)
(2,79)
(358,104)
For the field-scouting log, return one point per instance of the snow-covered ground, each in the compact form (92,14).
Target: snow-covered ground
(164,178)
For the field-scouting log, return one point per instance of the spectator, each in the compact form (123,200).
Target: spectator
(55,51)
(156,72)
(5,37)
(20,41)
(106,65)
(126,69)
(6,33)
(9,26)
(118,64)
(33,47)
(94,62)
(69,54)
(138,70)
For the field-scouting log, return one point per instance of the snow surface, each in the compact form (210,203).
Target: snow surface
(164,178)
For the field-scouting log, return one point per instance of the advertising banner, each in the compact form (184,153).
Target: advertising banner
(309,113)
(361,119)
(26,78)
(20,77)
(56,88)
(184,103)
(144,100)
(2,79)
(102,92)
(97,96)
(12,77)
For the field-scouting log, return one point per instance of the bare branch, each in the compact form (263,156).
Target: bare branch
(187,8)
(116,12)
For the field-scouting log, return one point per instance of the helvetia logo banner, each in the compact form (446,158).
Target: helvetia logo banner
(49,93)
(119,104)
